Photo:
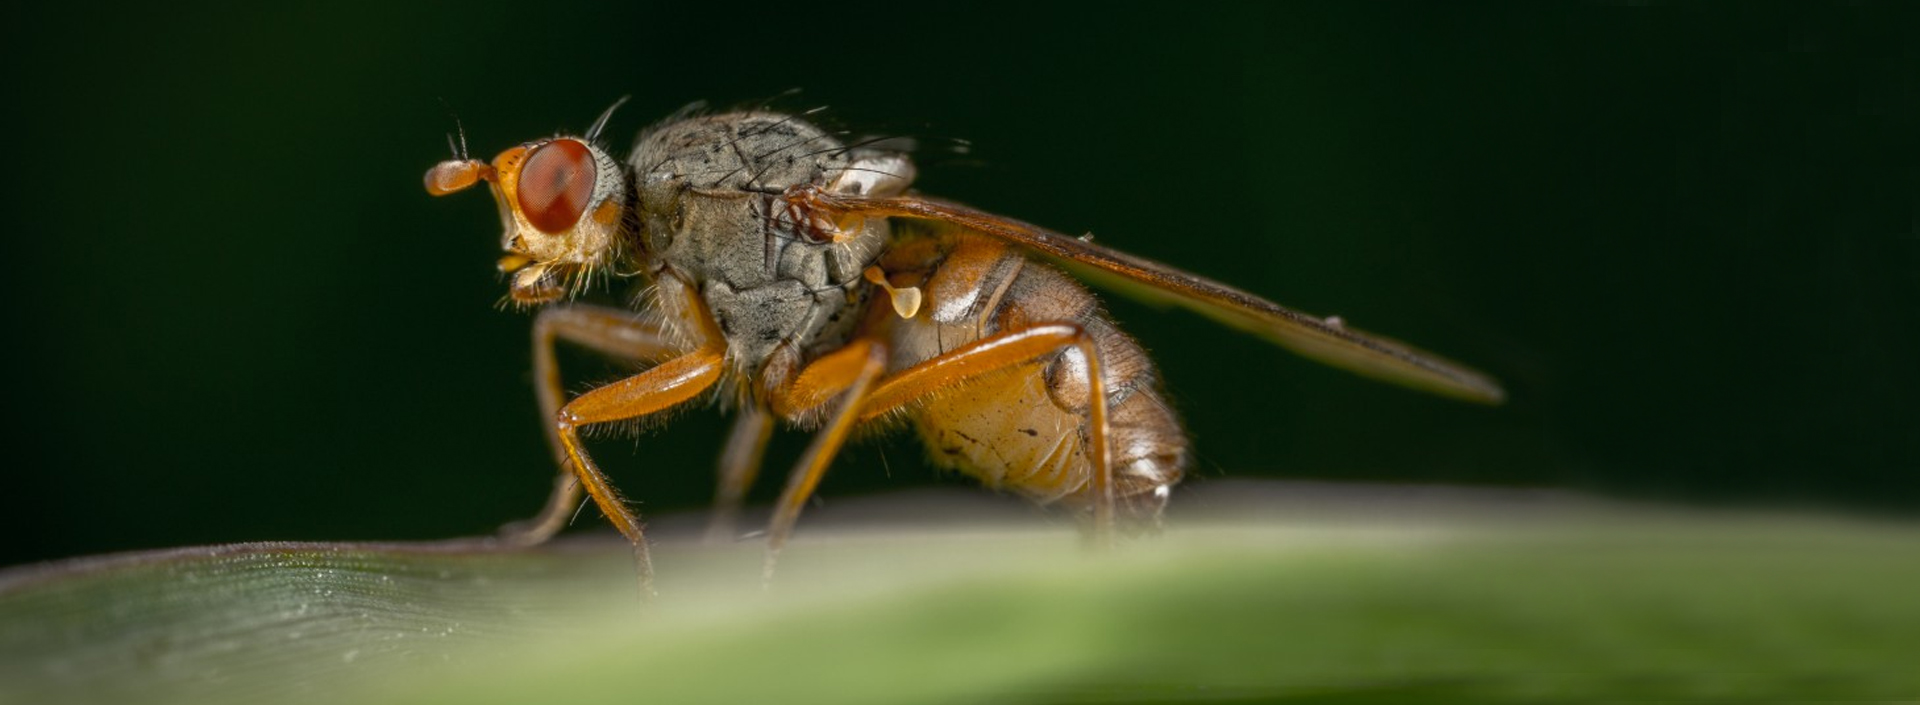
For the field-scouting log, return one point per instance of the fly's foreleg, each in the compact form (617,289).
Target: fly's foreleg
(609,331)
(667,385)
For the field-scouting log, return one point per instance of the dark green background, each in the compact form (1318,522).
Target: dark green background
(1684,236)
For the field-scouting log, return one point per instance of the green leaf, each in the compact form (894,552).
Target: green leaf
(1344,599)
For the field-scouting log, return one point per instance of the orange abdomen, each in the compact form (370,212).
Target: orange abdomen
(1025,429)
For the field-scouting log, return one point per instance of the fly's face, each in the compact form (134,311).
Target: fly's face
(562,204)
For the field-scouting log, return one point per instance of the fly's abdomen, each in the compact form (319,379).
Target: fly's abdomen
(1026,429)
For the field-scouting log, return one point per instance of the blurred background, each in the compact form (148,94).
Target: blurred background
(1684,237)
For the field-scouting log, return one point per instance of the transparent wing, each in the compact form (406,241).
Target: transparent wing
(1326,341)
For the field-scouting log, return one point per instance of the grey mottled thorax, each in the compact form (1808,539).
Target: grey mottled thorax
(711,214)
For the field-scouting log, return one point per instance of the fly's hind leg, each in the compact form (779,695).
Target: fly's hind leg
(1011,349)
(609,331)
(850,373)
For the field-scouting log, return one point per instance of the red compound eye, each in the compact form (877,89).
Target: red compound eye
(555,183)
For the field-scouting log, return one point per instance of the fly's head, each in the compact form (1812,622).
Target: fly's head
(563,203)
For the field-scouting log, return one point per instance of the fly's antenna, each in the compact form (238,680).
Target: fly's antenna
(459,150)
(600,123)
(462,131)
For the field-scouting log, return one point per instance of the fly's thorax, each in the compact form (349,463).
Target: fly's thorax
(712,209)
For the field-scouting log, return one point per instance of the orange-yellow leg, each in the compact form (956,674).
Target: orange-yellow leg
(847,373)
(1002,351)
(610,331)
(669,384)
(739,465)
